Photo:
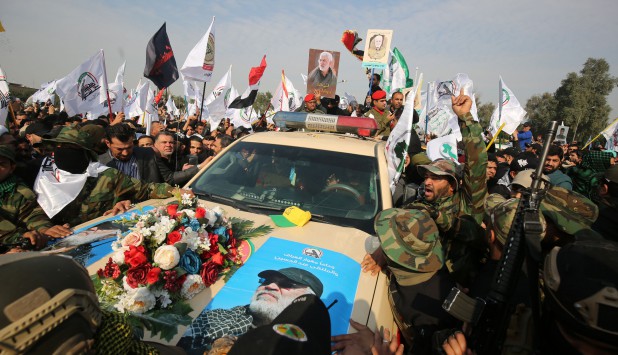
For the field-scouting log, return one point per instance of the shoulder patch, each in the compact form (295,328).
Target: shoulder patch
(290,331)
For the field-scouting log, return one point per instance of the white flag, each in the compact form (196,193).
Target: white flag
(443,148)
(171,107)
(441,120)
(218,101)
(200,62)
(4,98)
(136,104)
(46,92)
(191,89)
(509,112)
(80,90)
(244,117)
(116,91)
(398,142)
(279,101)
(611,135)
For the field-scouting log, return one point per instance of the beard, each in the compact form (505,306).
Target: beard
(265,311)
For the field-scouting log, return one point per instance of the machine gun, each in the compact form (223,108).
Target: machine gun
(490,317)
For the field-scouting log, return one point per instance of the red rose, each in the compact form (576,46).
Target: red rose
(230,232)
(172,210)
(173,237)
(217,259)
(138,275)
(153,275)
(135,256)
(231,242)
(200,212)
(210,273)
(214,238)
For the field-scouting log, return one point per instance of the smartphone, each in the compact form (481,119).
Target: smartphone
(192,159)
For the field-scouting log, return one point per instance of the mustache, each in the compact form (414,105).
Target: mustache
(274,294)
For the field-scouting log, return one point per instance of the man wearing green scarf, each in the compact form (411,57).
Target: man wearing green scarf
(20,215)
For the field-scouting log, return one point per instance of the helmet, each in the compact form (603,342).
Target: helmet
(581,287)
(48,305)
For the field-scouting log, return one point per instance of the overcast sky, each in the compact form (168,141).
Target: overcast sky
(532,44)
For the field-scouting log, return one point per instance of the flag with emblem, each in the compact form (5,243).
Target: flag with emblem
(399,140)
(398,75)
(4,98)
(286,97)
(248,97)
(46,92)
(443,148)
(441,120)
(216,103)
(160,66)
(508,113)
(200,62)
(81,89)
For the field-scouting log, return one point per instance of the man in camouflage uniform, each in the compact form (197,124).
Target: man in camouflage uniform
(412,253)
(20,215)
(457,208)
(102,192)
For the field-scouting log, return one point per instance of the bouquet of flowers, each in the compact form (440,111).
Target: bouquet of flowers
(171,254)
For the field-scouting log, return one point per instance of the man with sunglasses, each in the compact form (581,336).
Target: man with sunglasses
(276,290)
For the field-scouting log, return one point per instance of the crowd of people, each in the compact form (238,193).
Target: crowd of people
(449,228)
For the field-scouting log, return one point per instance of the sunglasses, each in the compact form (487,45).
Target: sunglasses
(282,282)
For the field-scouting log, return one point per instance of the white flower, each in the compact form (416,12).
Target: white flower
(164,299)
(167,257)
(186,199)
(211,215)
(133,238)
(146,232)
(192,286)
(188,212)
(203,241)
(190,238)
(118,256)
(140,301)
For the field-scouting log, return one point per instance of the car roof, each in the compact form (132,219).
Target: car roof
(318,140)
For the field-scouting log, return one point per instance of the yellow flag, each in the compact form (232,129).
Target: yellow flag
(1,28)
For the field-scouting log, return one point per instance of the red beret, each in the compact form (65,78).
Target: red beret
(309,97)
(378,95)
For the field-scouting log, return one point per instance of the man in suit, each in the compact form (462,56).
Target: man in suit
(123,155)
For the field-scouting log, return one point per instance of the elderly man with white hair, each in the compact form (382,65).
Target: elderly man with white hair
(323,77)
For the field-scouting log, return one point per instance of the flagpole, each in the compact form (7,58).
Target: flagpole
(199,119)
(109,102)
(495,136)
(598,135)
(429,85)
(12,112)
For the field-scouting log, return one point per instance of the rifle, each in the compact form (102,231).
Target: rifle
(490,317)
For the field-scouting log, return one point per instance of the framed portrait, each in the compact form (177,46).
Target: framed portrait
(377,48)
(562,133)
(322,72)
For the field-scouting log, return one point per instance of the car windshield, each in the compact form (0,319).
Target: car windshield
(335,187)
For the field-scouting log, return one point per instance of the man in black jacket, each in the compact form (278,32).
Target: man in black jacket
(123,155)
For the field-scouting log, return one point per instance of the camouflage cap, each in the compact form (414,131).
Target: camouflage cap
(441,167)
(410,239)
(75,136)
(568,210)
(501,212)
(7,152)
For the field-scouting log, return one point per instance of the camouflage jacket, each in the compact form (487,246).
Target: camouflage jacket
(384,128)
(101,193)
(19,213)
(469,199)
